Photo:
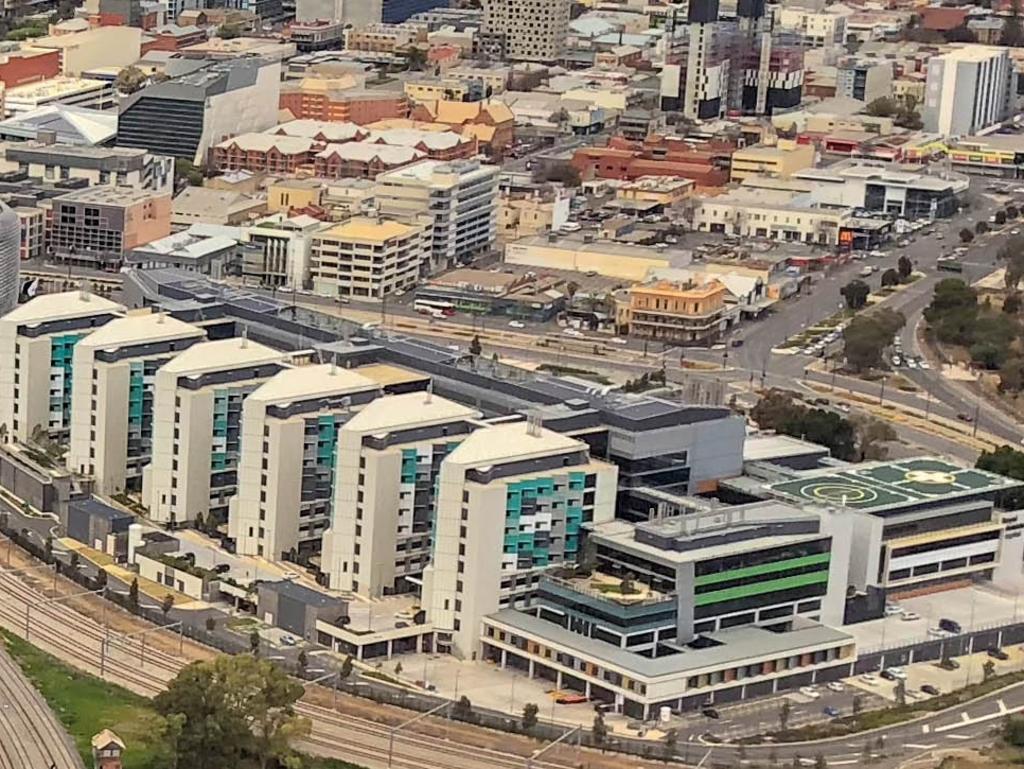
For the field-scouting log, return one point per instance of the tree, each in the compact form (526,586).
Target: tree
(1007,461)
(900,693)
(346,668)
(867,336)
(75,560)
(101,579)
(167,604)
(890,278)
(530,711)
(1013,731)
(1012,212)
(960,34)
(415,59)
(254,642)
(872,435)
(562,173)
(856,294)
(882,107)
(463,709)
(904,266)
(475,348)
(1012,304)
(229,31)
(1011,374)
(187,172)
(671,744)
(857,705)
(211,624)
(981,228)
(988,669)
(231,708)
(777,411)
(953,311)
(301,662)
(571,288)
(991,337)
(130,79)
(966,236)
(1000,217)
(599,730)
(133,593)
(785,711)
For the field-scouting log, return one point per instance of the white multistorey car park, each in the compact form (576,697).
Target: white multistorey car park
(36,341)
(389,457)
(511,501)
(112,395)
(288,447)
(197,411)
(715,605)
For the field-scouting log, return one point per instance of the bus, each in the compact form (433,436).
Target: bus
(434,308)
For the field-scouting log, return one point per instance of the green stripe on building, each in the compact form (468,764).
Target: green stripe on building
(759,588)
(764,568)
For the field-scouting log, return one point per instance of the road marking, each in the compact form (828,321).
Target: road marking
(979,719)
(958,737)
(965,717)
(914,746)
(1002,706)
(843,763)
(926,728)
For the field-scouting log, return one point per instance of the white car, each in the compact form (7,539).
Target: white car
(810,691)
(937,632)
(892,609)
(1015,232)
(898,673)
(835,686)
(924,364)
(618,340)
(572,332)
(869,678)
(516,324)
(910,616)
(911,363)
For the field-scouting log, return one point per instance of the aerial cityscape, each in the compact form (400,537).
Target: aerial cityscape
(484,384)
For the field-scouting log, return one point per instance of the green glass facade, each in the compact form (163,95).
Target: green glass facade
(529,504)
(62,348)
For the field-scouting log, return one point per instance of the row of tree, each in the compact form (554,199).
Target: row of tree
(847,439)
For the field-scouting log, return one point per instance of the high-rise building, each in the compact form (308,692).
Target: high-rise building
(37,340)
(114,369)
(197,415)
(10,257)
(527,30)
(967,90)
(511,500)
(460,196)
(389,459)
(288,451)
(368,259)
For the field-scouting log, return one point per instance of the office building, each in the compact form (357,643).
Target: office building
(279,252)
(512,500)
(109,166)
(114,369)
(103,46)
(967,90)
(97,226)
(677,312)
(185,116)
(461,196)
(864,79)
(10,257)
(37,340)
(197,431)
(701,607)
(288,450)
(389,459)
(815,28)
(527,30)
(368,259)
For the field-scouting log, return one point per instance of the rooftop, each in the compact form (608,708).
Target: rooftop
(110,195)
(221,355)
(73,125)
(136,328)
(187,245)
(366,229)
(758,448)
(305,382)
(506,442)
(54,88)
(399,412)
(435,171)
(67,304)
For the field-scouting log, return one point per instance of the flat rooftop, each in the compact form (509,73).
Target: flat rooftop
(764,448)
(736,645)
(386,374)
(880,486)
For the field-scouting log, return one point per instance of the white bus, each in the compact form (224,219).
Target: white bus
(434,308)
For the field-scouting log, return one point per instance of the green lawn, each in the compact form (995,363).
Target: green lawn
(86,705)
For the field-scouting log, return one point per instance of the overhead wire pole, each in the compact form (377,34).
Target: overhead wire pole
(395,729)
(538,753)
(58,599)
(142,638)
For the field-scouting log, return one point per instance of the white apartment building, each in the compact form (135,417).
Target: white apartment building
(529,30)
(368,258)
(389,458)
(197,415)
(288,451)
(37,340)
(461,197)
(968,90)
(767,213)
(112,395)
(511,499)
(279,256)
(817,29)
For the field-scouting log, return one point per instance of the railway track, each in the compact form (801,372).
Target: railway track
(60,630)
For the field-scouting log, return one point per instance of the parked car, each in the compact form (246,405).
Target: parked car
(810,691)
(711,713)
(910,616)
(950,626)
(516,324)
(897,673)
(929,689)
(892,609)
(887,675)
(949,664)
(868,678)
(570,699)
(998,654)
(831,711)
(834,686)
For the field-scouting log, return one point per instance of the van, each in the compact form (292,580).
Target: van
(949,625)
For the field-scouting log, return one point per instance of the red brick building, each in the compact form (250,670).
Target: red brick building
(28,66)
(321,99)
(707,164)
(263,153)
(173,38)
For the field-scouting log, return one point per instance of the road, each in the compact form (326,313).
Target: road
(31,737)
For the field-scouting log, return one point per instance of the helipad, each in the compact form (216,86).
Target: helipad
(880,485)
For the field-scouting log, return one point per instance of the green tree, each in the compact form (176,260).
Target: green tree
(953,311)
(991,337)
(1012,304)
(671,744)
(530,711)
(867,336)
(1011,374)
(1012,253)
(890,278)
(167,604)
(774,409)
(475,348)
(346,668)
(981,228)
(856,294)
(186,171)
(1012,212)
(133,593)
(872,435)
(882,107)
(857,705)
(988,669)
(599,729)
(233,708)
(785,711)
(130,79)
(415,59)
(254,642)
(904,266)
(1000,217)
(301,662)
(229,30)
(210,624)
(1013,731)
(966,236)
(463,709)
(1007,461)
